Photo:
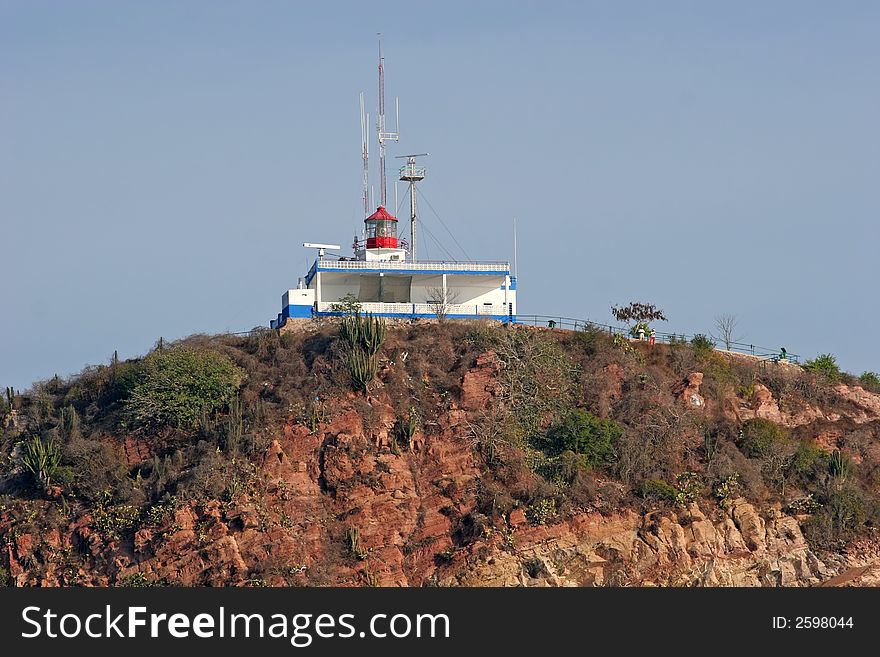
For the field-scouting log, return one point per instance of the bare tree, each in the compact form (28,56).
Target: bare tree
(441,303)
(726,325)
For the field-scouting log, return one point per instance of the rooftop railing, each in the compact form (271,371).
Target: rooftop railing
(392,265)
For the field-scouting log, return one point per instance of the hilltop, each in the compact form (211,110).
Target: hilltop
(441,453)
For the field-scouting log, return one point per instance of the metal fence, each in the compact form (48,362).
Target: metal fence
(572,324)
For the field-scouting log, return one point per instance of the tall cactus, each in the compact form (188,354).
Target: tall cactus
(362,367)
(364,332)
(363,336)
(838,465)
(69,424)
(353,539)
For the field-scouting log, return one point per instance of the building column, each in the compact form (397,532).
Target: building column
(506,289)
(318,291)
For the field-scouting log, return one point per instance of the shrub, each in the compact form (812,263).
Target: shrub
(703,345)
(727,490)
(347,305)
(542,512)
(760,437)
(825,366)
(803,505)
(41,459)
(870,380)
(587,435)
(809,460)
(843,514)
(658,490)
(406,428)
(94,467)
(178,387)
(687,488)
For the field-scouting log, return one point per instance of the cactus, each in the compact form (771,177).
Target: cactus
(363,332)
(69,422)
(407,427)
(838,465)
(41,459)
(353,538)
(362,367)
(315,414)
(234,427)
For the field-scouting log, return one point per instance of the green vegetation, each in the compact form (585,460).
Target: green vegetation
(362,336)
(585,434)
(728,490)
(363,333)
(760,437)
(362,367)
(825,366)
(41,459)
(703,345)
(559,422)
(839,466)
(809,460)
(178,387)
(659,490)
(405,429)
(353,543)
(871,380)
(347,305)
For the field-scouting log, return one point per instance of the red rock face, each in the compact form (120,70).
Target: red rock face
(311,490)
(480,386)
(689,390)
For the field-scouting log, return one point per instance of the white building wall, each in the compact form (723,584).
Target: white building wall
(298,297)
(473,291)
(335,285)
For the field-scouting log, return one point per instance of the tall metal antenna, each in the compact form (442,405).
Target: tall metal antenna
(365,154)
(515,263)
(380,126)
(412,174)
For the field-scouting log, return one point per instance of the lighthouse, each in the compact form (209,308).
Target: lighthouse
(380,238)
(385,274)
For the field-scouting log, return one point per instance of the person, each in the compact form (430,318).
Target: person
(551,323)
(641,333)
(783,355)
(653,337)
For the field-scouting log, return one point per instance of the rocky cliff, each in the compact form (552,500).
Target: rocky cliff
(335,497)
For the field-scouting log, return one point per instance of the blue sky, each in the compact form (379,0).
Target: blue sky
(161,163)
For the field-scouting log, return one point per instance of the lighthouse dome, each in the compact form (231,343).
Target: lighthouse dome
(381,229)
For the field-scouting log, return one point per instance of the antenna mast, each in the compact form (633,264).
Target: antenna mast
(365,154)
(412,174)
(380,126)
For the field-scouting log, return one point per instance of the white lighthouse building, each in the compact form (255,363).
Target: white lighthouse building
(384,273)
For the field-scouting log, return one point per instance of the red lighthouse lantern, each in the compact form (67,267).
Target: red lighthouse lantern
(381,230)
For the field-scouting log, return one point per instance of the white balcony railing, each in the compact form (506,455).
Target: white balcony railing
(391,265)
(469,309)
